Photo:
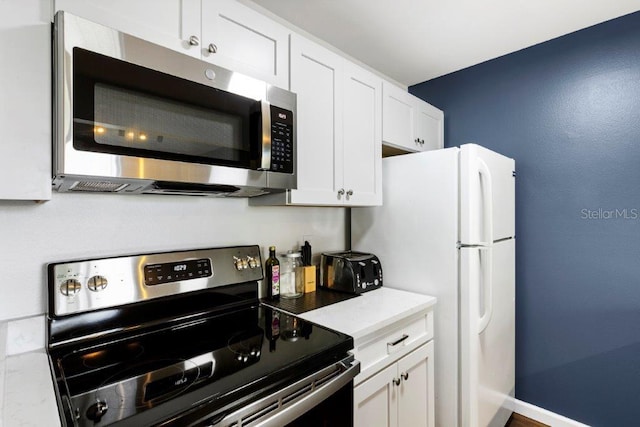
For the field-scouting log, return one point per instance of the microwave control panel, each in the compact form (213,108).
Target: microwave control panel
(281,140)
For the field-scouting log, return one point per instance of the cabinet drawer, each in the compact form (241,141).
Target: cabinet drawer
(391,343)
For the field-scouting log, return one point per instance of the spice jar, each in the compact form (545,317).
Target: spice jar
(291,277)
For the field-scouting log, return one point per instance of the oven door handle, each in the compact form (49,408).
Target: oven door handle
(294,400)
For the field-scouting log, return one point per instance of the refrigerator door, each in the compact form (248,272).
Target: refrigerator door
(487,196)
(487,362)
(414,234)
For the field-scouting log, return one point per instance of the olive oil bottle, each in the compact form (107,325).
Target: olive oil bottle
(272,273)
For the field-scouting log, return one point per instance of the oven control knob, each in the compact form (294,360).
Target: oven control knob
(253,263)
(70,287)
(97,410)
(237,262)
(97,283)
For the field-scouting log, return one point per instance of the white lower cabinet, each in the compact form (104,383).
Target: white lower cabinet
(400,395)
(392,334)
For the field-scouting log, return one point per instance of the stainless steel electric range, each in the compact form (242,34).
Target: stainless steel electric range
(180,338)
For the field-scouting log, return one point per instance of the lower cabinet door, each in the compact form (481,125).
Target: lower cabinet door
(416,399)
(375,400)
(401,395)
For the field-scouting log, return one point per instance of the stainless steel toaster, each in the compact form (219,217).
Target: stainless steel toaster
(349,271)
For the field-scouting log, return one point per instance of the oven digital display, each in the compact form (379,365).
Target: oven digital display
(156,274)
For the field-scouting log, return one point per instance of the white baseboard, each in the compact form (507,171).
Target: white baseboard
(542,415)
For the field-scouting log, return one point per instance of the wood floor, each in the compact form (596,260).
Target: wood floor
(518,420)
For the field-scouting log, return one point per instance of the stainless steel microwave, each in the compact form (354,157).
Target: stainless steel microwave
(132,117)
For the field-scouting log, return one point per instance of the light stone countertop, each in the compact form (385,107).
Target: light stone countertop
(26,385)
(29,398)
(369,312)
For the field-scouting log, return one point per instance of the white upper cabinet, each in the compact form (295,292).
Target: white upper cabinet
(169,23)
(241,39)
(398,118)
(223,32)
(429,125)
(338,130)
(362,133)
(409,123)
(316,77)
(25,109)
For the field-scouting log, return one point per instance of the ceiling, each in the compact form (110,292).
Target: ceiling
(412,41)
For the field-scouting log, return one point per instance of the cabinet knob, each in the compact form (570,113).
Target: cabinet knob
(397,381)
(404,376)
(417,140)
(422,142)
(349,193)
(340,192)
(194,41)
(212,48)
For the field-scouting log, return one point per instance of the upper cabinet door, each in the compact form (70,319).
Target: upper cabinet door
(240,39)
(339,130)
(316,76)
(171,23)
(25,109)
(429,126)
(362,124)
(398,114)
(409,123)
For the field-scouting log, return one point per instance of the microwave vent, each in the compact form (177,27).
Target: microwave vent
(98,186)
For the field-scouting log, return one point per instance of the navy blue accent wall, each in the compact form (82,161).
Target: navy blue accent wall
(568,111)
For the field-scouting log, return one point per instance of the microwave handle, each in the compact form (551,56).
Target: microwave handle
(265,157)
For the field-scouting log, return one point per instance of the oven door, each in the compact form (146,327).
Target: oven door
(321,399)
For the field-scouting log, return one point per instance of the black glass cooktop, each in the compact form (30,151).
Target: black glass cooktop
(147,377)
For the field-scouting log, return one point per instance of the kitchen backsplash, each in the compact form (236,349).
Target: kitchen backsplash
(79,226)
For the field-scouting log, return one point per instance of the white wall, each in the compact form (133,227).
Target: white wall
(77,226)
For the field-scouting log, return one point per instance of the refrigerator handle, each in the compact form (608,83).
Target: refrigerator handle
(487,196)
(487,283)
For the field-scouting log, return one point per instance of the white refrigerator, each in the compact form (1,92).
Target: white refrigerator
(447,229)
